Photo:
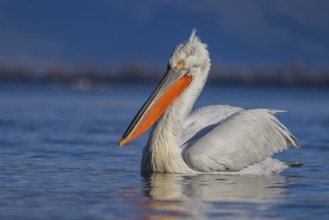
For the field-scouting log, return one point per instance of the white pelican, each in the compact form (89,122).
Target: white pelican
(218,138)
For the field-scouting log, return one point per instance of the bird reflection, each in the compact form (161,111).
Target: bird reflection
(173,195)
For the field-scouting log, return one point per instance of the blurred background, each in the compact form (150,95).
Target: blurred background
(88,43)
(74,73)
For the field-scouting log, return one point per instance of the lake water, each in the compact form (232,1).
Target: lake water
(60,159)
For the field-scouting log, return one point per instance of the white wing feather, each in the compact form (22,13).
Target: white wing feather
(202,120)
(236,140)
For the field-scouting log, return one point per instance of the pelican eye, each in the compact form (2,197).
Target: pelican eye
(180,64)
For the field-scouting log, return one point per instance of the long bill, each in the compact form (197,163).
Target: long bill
(170,87)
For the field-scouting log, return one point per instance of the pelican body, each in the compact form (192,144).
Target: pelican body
(217,139)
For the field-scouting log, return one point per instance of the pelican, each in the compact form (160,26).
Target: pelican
(212,139)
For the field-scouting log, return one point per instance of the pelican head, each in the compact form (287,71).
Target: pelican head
(188,65)
(191,55)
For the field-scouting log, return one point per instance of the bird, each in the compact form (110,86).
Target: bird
(219,139)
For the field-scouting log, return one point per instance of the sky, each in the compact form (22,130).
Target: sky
(239,33)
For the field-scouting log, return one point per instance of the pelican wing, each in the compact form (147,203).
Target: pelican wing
(239,140)
(204,119)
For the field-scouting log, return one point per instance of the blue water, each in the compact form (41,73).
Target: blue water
(60,159)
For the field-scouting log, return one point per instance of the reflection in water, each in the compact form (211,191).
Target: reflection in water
(173,196)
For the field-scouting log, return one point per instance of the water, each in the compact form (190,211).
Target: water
(60,159)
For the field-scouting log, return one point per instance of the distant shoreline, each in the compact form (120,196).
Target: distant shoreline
(87,76)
